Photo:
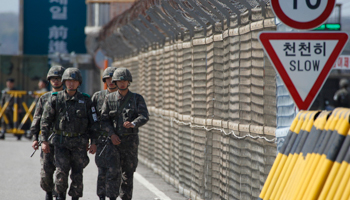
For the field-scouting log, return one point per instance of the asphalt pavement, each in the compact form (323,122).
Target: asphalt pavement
(20,176)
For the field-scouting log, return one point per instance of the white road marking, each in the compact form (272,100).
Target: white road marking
(150,186)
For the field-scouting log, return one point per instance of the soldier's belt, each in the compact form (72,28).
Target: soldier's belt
(126,134)
(68,134)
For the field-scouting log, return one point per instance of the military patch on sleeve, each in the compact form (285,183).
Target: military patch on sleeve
(93,109)
(94,116)
(81,101)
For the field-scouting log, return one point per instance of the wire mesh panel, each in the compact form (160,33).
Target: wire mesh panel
(245,73)
(269,79)
(159,106)
(199,88)
(234,103)
(220,79)
(185,131)
(257,75)
(198,110)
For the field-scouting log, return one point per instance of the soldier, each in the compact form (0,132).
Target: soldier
(10,85)
(46,159)
(127,111)
(73,117)
(108,160)
(342,96)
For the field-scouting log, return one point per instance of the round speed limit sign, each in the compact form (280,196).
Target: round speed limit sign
(303,14)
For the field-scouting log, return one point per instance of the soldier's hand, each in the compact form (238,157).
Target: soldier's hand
(115,139)
(35,145)
(45,147)
(93,149)
(128,125)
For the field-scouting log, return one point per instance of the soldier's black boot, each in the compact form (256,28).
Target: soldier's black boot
(75,198)
(113,198)
(102,197)
(61,196)
(48,196)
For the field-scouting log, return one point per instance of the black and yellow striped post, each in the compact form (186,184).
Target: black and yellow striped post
(305,153)
(315,128)
(346,194)
(297,154)
(332,184)
(28,114)
(281,156)
(293,155)
(2,111)
(286,156)
(315,157)
(343,174)
(328,156)
(4,116)
(16,94)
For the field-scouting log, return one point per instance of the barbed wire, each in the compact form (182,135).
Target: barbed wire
(171,119)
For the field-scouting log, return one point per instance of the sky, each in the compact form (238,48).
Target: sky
(9,6)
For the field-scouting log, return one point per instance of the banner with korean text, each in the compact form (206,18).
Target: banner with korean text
(54,26)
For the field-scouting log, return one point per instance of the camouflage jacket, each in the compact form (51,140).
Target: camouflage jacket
(74,114)
(135,111)
(39,109)
(97,100)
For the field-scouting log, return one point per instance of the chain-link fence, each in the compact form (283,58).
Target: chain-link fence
(211,95)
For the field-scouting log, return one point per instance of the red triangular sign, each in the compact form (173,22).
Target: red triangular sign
(303,60)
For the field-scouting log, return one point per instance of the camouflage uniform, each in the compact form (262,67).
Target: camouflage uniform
(46,159)
(342,96)
(108,180)
(73,118)
(135,111)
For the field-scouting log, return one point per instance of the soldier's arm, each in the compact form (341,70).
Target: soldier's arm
(48,117)
(106,122)
(35,126)
(141,111)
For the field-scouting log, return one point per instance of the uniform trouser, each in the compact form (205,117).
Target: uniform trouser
(47,170)
(9,115)
(109,176)
(70,153)
(128,160)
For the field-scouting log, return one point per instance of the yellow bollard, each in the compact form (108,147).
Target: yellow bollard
(304,157)
(286,157)
(345,176)
(293,168)
(346,194)
(314,159)
(338,169)
(328,157)
(299,142)
(282,154)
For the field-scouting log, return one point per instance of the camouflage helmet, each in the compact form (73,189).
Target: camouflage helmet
(108,72)
(343,83)
(55,70)
(72,74)
(122,74)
